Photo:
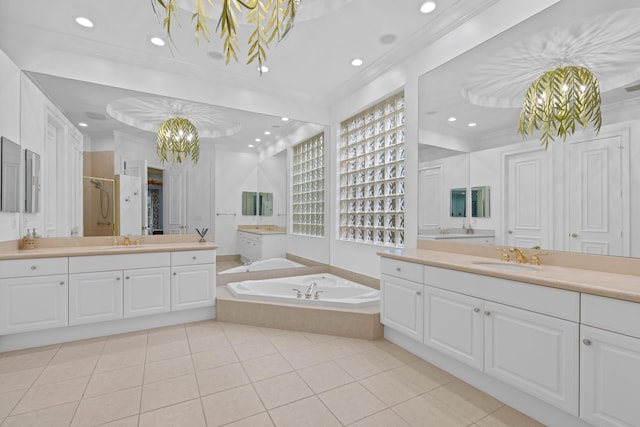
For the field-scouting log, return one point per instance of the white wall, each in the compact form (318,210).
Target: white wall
(10,128)
(235,172)
(272,178)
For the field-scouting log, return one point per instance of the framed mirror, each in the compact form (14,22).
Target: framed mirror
(248,203)
(9,175)
(480,202)
(31,182)
(458,205)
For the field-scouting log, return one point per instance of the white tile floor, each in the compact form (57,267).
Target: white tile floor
(215,374)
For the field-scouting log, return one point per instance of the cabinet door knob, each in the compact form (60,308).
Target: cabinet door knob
(33,267)
(586,341)
(175,274)
(418,293)
(127,277)
(476,310)
(117,278)
(194,258)
(398,269)
(61,283)
(487,313)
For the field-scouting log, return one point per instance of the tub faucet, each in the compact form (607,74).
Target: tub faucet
(309,293)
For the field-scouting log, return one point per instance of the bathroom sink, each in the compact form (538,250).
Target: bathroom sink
(505,266)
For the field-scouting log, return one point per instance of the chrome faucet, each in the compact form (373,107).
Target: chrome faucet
(309,293)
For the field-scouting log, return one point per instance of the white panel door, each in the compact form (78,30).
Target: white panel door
(453,324)
(528,199)
(95,297)
(401,306)
(533,352)
(32,303)
(146,291)
(175,201)
(431,198)
(193,286)
(596,197)
(139,168)
(609,378)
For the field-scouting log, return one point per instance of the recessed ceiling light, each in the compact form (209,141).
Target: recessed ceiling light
(157,41)
(356,62)
(263,68)
(451,119)
(285,119)
(257,140)
(472,124)
(83,124)
(250,145)
(266,132)
(427,7)
(85,22)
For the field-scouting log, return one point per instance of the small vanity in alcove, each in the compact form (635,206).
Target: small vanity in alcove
(258,242)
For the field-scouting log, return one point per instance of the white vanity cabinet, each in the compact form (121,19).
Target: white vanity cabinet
(95,297)
(193,279)
(33,294)
(523,334)
(533,352)
(254,247)
(111,287)
(609,362)
(401,302)
(454,324)
(146,291)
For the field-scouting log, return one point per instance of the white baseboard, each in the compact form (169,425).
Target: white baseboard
(99,329)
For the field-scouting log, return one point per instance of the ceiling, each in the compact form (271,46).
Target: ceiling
(487,84)
(313,63)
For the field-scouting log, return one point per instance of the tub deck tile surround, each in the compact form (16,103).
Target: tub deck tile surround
(613,277)
(313,380)
(356,323)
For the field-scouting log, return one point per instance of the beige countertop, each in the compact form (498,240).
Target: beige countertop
(262,230)
(65,251)
(602,283)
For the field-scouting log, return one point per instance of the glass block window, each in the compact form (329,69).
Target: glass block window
(372,151)
(308,187)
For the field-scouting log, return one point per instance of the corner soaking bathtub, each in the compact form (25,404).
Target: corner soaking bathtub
(332,291)
(265,264)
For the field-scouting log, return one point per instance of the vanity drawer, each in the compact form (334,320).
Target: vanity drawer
(250,236)
(33,267)
(402,269)
(193,257)
(611,314)
(96,263)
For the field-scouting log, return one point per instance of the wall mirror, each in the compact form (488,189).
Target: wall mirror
(32,182)
(458,203)
(580,195)
(226,168)
(9,175)
(480,202)
(259,203)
